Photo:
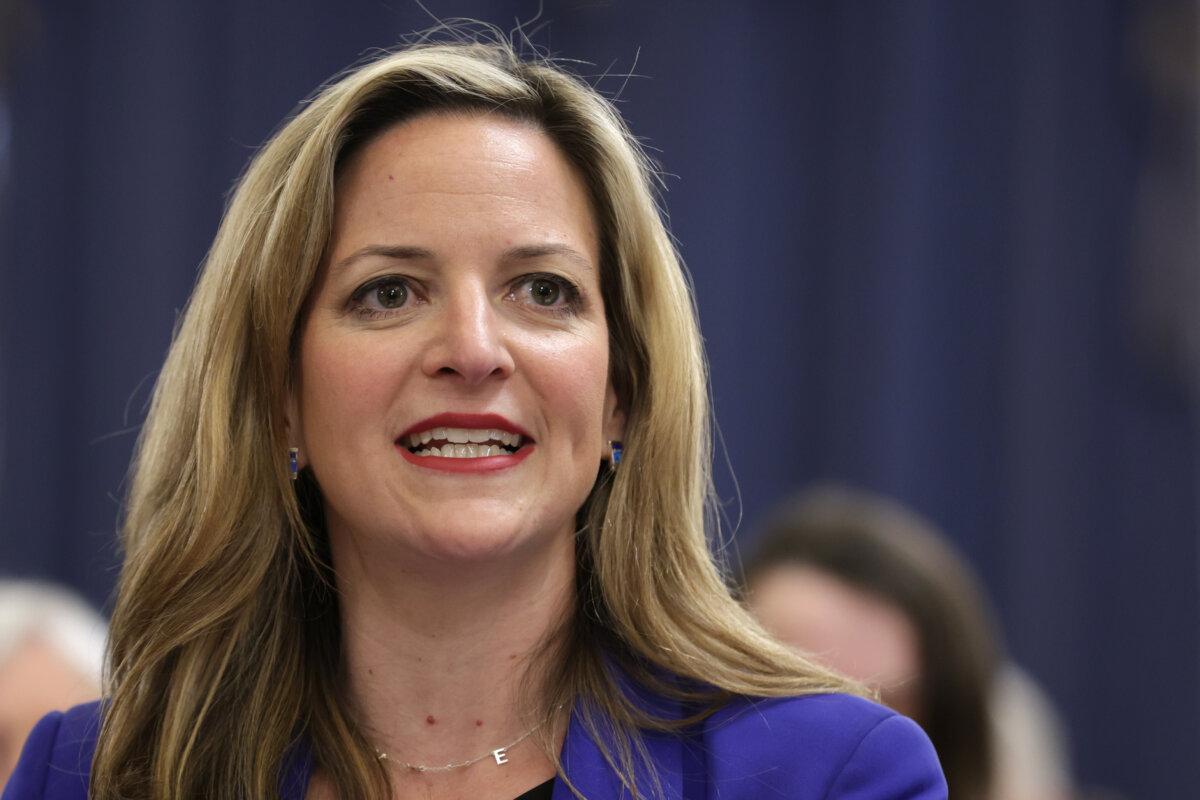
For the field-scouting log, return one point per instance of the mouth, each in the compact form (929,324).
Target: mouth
(465,442)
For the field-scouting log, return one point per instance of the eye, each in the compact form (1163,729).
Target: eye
(380,296)
(544,291)
(391,294)
(550,292)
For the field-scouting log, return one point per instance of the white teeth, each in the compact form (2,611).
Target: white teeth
(463,442)
(463,451)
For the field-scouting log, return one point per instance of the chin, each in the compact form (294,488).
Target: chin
(474,543)
(483,529)
(468,546)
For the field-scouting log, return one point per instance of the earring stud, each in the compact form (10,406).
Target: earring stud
(617,449)
(294,462)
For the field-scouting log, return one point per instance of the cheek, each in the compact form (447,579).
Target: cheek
(342,381)
(572,375)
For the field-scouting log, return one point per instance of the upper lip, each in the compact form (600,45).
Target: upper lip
(452,419)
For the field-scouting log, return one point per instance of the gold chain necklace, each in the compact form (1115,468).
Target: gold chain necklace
(500,754)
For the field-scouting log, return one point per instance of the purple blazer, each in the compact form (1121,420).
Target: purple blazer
(820,747)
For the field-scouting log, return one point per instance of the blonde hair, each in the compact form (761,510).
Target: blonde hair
(225,641)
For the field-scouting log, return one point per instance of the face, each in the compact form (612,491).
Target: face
(849,630)
(452,397)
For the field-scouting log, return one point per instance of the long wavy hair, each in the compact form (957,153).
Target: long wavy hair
(225,650)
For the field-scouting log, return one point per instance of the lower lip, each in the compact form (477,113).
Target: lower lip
(469,465)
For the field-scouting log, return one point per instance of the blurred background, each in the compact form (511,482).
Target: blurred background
(944,251)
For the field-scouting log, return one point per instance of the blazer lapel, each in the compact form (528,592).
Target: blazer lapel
(670,757)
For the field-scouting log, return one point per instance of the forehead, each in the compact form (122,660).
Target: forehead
(463,174)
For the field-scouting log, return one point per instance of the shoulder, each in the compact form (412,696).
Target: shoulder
(57,758)
(827,746)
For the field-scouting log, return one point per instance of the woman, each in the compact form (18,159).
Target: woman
(879,595)
(442,296)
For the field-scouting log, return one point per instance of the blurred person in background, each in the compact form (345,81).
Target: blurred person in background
(872,590)
(51,653)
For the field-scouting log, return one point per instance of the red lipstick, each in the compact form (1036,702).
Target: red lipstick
(452,420)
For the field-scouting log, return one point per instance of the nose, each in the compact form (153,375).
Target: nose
(468,342)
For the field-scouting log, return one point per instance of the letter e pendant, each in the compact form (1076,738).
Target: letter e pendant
(500,756)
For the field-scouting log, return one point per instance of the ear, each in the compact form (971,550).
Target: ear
(614,419)
(293,429)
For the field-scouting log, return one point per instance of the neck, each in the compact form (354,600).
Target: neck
(439,655)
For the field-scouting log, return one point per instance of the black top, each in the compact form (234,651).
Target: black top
(542,791)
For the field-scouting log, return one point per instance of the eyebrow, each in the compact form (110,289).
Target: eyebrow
(399,252)
(528,252)
(522,253)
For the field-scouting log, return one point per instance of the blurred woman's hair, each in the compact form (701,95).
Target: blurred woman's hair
(225,646)
(883,549)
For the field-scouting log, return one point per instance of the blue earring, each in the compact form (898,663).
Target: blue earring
(617,449)
(294,462)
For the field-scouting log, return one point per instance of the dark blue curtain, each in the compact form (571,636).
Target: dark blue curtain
(910,227)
